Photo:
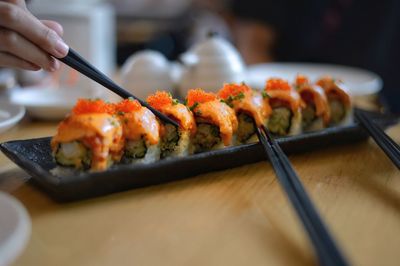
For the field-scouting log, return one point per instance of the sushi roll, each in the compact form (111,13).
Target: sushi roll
(315,112)
(141,131)
(339,101)
(175,142)
(285,102)
(250,108)
(89,138)
(215,121)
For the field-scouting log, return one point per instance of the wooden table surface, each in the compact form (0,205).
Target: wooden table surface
(234,217)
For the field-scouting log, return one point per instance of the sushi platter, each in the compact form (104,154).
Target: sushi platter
(35,157)
(102,147)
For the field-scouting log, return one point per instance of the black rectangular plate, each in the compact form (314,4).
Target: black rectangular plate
(34,156)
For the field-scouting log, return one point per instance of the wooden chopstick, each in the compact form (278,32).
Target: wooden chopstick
(387,144)
(326,249)
(77,62)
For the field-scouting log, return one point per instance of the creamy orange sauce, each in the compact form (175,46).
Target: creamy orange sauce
(182,115)
(254,105)
(333,89)
(221,115)
(140,123)
(339,92)
(290,96)
(102,133)
(319,99)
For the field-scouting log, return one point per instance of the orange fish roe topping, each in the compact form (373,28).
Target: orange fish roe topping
(88,106)
(232,90)
(301,80)
(160,99)
(196,96)
(277,84)
(128,105)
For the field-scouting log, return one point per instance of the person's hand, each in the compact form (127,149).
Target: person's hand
(25,41)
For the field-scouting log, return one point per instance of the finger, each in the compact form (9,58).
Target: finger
(23,22)
(17,45)
(8,60)
(54,26)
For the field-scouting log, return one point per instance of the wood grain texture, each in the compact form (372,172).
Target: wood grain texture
(234,217)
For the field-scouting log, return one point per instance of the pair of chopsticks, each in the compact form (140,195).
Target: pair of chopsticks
(325,247)
(77,62)
(387,144)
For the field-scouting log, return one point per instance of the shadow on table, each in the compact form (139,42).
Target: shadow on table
(12,178)
(374,173)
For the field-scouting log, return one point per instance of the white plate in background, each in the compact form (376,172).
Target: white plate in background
(15,228)
(10,114)
(49,103)
(358,81)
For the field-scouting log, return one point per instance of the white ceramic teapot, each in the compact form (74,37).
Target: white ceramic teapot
(210,64)
(145,72)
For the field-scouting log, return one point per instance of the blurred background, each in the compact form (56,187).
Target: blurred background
(357,33)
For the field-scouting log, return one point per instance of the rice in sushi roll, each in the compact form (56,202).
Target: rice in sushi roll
(215,121)
(140,130)
(315,111)
(285,102)
(339,100)
(175,142)
(251,110)
(89,138)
